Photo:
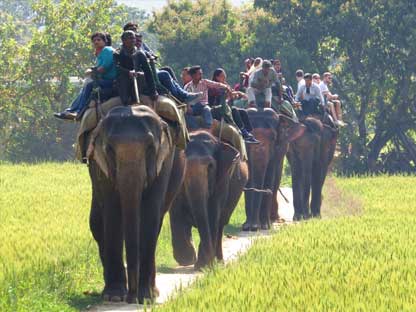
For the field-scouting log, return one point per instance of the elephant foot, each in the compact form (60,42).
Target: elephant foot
(307,216)
(148,295)
(114,294)
(265,226)
(254,227)
(297,217)
(186,258)
(246,227)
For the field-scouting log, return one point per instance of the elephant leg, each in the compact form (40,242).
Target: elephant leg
(218,249)
(307,177)
(114,270)
(282,150)
(296,169)
(151,223)
(249,203)
(317,183)
(176,179)
(105,226)
(267,202)
(183,249)
(206,246)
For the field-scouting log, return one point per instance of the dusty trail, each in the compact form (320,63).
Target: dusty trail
(182,277)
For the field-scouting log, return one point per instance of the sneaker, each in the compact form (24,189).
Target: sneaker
(65,115)
(193,98)
(248,137)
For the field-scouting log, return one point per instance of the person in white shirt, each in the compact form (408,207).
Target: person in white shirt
(299,78)
(332,100)
(261,83)
(310,97)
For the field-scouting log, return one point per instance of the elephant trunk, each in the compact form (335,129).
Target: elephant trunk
(197,187)
(130,181)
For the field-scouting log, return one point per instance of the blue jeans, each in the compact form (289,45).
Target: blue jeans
(84,95)
(169,83)
(199,109)
(310,106)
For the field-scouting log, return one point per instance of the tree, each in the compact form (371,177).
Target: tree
(36,64)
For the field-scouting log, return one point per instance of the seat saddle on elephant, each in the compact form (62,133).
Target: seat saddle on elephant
(227,133)
(164,106)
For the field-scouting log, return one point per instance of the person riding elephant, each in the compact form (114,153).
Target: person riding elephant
(260,84)
(218,99)
(104,71)
(214,180)
(129,60)
(265,164)
(136,172)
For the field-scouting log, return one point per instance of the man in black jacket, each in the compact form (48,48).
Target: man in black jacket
(129,60)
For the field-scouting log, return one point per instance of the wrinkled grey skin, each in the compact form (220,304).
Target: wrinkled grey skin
(135,174)
(214,180)
(309,157)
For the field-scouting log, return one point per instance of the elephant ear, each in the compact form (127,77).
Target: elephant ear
(295,131)
(293,128)
(226,157)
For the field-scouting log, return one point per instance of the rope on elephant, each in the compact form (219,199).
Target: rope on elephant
(283,195)
(252,189)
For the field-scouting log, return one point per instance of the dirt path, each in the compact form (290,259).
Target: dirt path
(182,277)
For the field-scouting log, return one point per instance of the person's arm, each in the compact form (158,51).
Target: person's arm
(321,97)
(216,85)
(141,63)
(105,60)
(117,61)
(298,96)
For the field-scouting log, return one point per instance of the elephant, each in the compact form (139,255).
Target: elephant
(309,157)
(214,180)
(265,163)
(136,171)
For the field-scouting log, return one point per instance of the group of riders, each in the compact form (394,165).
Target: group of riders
(261,85)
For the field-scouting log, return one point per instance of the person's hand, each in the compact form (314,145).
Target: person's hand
(189,110)
(88,72)
(297,105)
(336,96)
(279,100)
(132,74)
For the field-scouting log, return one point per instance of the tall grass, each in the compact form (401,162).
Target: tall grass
(364,261)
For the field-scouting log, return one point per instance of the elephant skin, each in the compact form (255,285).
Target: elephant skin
(265,163)
(214,180)
(310,156)
(136,172)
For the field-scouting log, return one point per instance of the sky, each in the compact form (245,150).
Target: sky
(149,5)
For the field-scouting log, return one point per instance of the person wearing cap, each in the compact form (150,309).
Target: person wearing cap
(261,83)
(310,97)
(104,70)
(129,60)
(299,78)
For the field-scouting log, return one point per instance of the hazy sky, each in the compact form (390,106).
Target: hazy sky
(155,4)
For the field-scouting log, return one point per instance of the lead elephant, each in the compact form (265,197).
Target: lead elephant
(265,163)
(135,173)
(214,180)
(309,157)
